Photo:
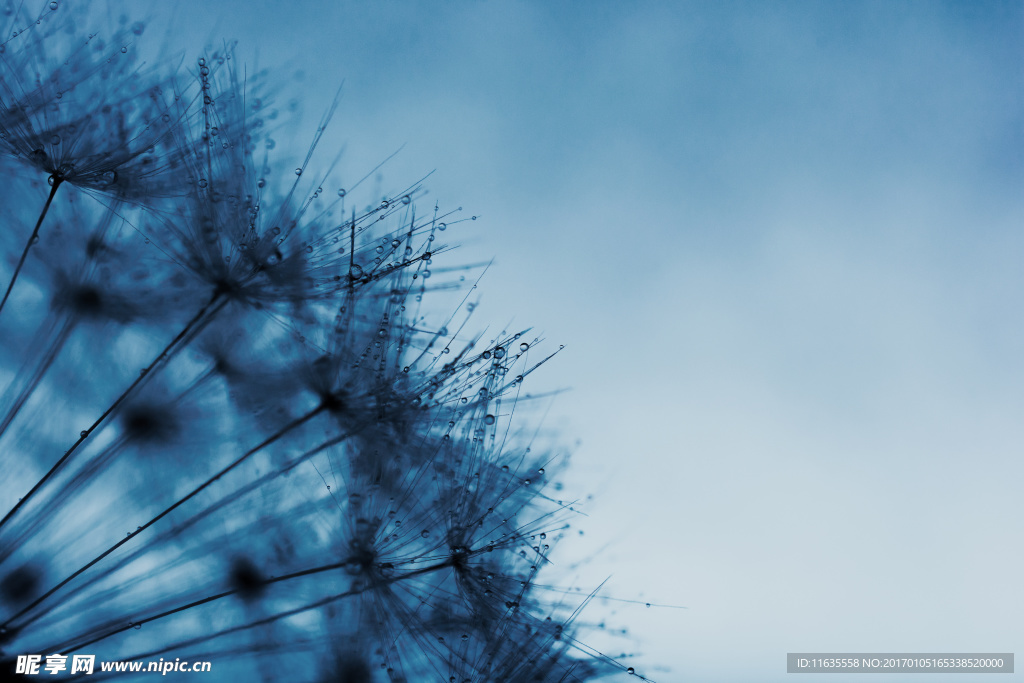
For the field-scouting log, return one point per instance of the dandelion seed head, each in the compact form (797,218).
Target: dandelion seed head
(97,122)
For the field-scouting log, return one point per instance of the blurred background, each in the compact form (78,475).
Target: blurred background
(782,245)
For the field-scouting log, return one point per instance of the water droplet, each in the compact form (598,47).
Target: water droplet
(341,193)
(541,473)
(499,353)
(309,249)
(55,140)
(138,27)
(124,50)
(504,468)
(489,420)
(84,433)
(442,226)
(54,5)
(202,182)
(524,346)
(631,671)
(425,533)
(298,171)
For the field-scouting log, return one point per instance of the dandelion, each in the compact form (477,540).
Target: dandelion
(280,465)
(80,110)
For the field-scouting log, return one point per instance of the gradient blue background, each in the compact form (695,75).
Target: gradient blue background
(782,244)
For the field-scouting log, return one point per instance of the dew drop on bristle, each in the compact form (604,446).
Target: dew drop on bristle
(489,420)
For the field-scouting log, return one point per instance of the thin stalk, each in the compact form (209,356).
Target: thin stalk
(196,319)
(174,506)
(195,519)
(53,349)
(281,615)
(28,245)
(181,608)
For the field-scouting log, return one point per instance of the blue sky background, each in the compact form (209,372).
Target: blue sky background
(782,244)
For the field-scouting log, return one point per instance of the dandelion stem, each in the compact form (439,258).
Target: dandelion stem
(294,424)
(31,240)
(274,617)
(206,309)
(197,603)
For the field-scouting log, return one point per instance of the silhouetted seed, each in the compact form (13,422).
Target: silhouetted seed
(246,579)
(150,423)
(86,300)
(351,669)
(20,585)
